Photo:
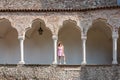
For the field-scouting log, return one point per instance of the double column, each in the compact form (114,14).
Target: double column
(115,38)
(55,38)
(21,39)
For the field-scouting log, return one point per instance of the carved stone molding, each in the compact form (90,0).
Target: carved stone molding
(85,24)
(21,37)
(114,22)
(55,37)
(115,33)
(23,21)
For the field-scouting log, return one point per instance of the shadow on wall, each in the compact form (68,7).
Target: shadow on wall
(39,47)
(9,43)
(70,36)
(99,43)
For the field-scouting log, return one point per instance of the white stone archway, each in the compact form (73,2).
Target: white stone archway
(9,44)
(70,36)
(38,47)
(99,43)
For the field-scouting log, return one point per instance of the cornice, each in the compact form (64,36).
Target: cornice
(60,10)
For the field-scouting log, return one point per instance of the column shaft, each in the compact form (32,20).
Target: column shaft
(114,51)
(55,38)
(84,49)
(21,50)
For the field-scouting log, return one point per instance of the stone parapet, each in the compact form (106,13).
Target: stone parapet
(59,72)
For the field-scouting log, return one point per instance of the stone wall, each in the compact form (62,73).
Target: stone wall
(60,72)
(54,4)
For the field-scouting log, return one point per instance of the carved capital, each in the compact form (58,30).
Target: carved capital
(115,32)
(115,36)
(83,36)
(53,27)
(21,37)
(55,37)
(86,22)
(115,29)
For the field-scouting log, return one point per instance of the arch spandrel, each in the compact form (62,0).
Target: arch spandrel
(52,22)
(53,27)
(22,24)
(85,24)
(114,22)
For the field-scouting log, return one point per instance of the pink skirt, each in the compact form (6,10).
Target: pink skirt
(60,53)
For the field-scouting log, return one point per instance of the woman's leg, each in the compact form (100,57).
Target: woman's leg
(64,60)
(59,59)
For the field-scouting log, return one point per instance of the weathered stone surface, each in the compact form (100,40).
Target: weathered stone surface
(59,72)
(22,21)
(54,4)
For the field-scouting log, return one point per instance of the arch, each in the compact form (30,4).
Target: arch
(72,22)
(42,21)
(9,44)
(99,43)
(104,20)
(38,47)
(38,21)
(69,34)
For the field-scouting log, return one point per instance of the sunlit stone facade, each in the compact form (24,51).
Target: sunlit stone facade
(89,36)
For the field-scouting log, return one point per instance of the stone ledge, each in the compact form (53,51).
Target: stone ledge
(60,72)
(62,65)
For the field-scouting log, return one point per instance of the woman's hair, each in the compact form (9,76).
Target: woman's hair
(59,43)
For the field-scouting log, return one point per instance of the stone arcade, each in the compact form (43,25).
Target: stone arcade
(88,29)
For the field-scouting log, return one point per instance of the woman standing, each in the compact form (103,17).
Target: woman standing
(61,52)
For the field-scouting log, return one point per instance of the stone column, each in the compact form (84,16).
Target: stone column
(115,23)
(84,38)
(55,38)
(115,38)
(21,39)
(85,23)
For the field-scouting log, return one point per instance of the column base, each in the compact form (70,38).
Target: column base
(84,63)
(21,62)
(114,62)
(54,62)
